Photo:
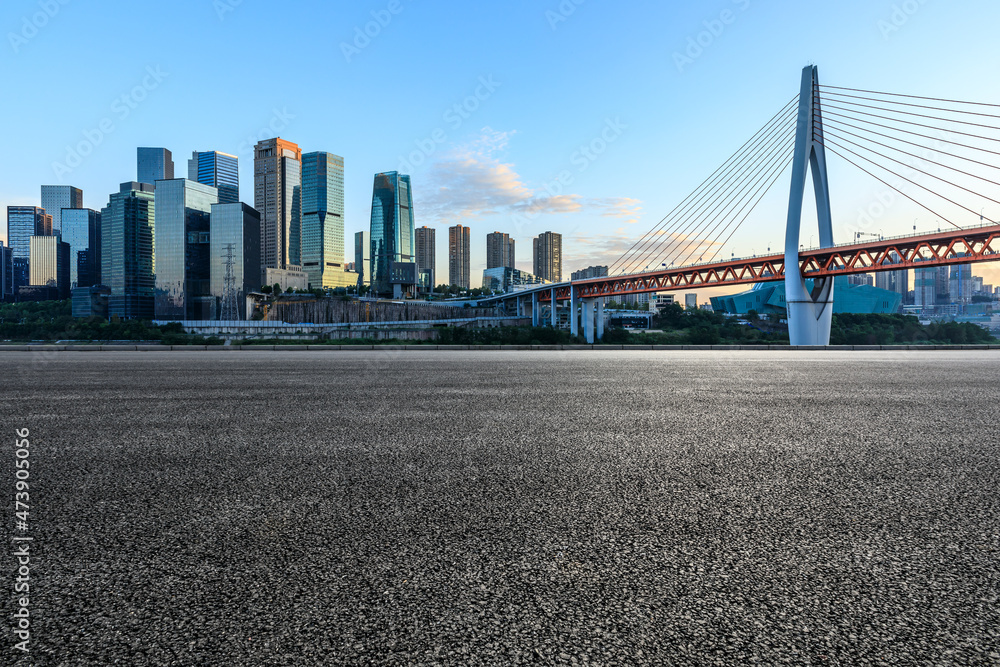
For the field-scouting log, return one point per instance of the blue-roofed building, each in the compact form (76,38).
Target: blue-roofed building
(769,299)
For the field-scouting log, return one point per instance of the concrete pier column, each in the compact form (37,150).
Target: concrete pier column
(574,319)
(600,319)
(536,315)
(555,318)
(588,320)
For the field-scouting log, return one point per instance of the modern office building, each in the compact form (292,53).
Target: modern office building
(392,233)
(459,256)
(589,272)
(127,262)
(49,261)
(363,257)
(960,284)
(769,299)
(321,209)
(153,164)
(426,258)
(220,170)
(504,279)
(894,281)
(90,301)
(182,242)
(81,229)
(235,236)
(23,222)
(57,197)
(6,274)
(547,251)
(931,287)
(277,172)
(499,250)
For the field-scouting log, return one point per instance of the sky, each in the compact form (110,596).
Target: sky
(585,117)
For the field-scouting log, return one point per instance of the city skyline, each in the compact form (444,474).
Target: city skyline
(492,130)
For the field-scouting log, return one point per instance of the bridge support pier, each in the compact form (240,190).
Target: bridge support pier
(555,318)
(810,312)
(536,314)
(574,318)
(600,319)
(588,320)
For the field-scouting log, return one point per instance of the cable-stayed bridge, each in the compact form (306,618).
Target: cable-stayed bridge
(945,151)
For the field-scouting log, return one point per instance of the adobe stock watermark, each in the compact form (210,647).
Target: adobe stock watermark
(562,13)
(278,123)
(714,28)
(900,16)
(31,25)
(121,108)
(582,159)
(454,117)
(223,7)
(363,35)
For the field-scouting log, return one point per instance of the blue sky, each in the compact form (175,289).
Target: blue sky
(538,81)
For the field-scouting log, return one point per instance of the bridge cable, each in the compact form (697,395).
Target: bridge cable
(684,228)
(907,104)
(909,122)
(705,185)
(914,97)
(673,247)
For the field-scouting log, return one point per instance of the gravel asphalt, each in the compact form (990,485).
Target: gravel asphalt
(507,508)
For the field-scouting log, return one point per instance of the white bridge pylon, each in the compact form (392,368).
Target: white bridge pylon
(810,313)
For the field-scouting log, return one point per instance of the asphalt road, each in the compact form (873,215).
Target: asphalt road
(467,508)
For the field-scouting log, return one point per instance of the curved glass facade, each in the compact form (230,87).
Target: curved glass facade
(392,235)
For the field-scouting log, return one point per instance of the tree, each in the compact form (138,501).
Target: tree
(266,289)
(277,288)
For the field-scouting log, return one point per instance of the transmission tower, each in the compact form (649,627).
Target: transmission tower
(230,306)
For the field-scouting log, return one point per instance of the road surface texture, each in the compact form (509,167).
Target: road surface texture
(505,508)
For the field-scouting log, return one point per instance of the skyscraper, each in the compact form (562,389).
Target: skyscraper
(459,264)
(81,229)
(127,262)
(153,164)
(363,257)
(426,257)
(547,249)
(322,216)
(277,171)
(235,226)
(23,222)
(50,263)
(57,197)
(6,273)
(499,250)
(960,284)
(182,241)
(392,235)
(220,170)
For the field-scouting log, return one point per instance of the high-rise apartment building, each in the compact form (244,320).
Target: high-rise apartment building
(547,251)
(127,262)
(50,263)
(57,197)
(235,232)
(220,170)
(960,284)
(426,258)
(589,272)
(499,250)
(321,207)
(23,222)
(81,229)
(392,235)
(459,256)
(277,173)
(182,242)
(153,164)
(894,281)
(363,257)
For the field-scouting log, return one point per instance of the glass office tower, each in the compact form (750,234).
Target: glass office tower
(154,164)
(392,235)
(235,226)
(363,257)
(127,262)
(50,263)
(220,170)
(23,222)
(322,219)
(6,273)
(81,229)
(277,171)
(182,242)
(57,197)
